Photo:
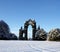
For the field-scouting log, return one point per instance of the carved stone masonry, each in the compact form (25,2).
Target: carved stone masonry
(23,32)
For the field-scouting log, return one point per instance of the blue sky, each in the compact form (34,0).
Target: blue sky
(45,12)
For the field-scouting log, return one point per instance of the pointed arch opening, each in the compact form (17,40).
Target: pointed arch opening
(29,32)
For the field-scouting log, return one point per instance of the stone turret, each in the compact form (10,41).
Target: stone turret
(20,33)
(38,28)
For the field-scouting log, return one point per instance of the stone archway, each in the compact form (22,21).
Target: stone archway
(33,24)
(25,30)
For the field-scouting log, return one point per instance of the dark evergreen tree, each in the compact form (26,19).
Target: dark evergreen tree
(4,28)
(5,32)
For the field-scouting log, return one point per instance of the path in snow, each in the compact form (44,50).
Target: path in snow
(29,46)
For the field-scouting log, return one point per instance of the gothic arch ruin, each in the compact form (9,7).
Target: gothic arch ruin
(25,30)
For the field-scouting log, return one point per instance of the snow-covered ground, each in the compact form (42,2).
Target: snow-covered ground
(29,46)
